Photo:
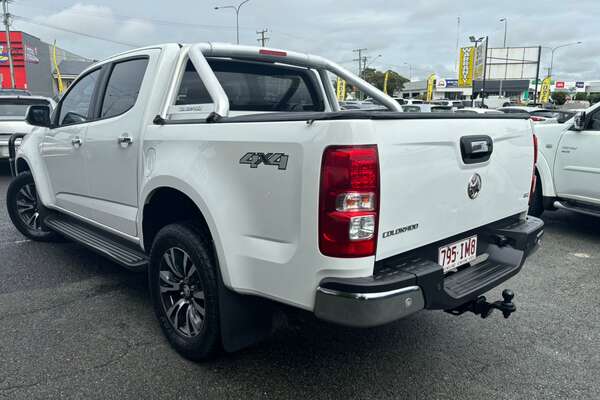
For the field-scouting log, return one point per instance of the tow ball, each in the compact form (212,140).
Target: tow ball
(480,306)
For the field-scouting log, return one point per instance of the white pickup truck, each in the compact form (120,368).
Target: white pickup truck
(568,168)
(230,173)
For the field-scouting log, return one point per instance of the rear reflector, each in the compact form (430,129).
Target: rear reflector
(274,53)
(349,201)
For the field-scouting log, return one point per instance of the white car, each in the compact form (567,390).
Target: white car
(537,114)
(568,168)
(475,110)
(228,174)
(12,117)
(433,108)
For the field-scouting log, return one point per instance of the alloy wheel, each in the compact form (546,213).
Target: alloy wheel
(181,292)
(27,207)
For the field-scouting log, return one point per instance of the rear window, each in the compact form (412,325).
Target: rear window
(17,108)
(411,108)
(254,87)
(441,109)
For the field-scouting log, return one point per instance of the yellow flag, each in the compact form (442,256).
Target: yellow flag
(385,81)
(341,89)
(58,76)
(430,85)
(545,90)
(465,67)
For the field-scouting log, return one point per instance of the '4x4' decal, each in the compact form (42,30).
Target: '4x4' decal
(255,159)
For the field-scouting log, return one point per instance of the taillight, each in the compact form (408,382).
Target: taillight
(534,177)
(349,201)
(537,119)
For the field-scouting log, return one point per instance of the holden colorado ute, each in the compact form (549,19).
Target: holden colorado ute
(230,174)
(568,168)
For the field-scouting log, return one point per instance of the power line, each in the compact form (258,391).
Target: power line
(126,17)
(34,22)
(263,39)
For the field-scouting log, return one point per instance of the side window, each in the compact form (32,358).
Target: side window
(595,122)
(76,104)
(123,87)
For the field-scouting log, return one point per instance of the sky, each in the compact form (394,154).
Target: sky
(396,33)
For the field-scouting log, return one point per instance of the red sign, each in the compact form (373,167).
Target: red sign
(560,85)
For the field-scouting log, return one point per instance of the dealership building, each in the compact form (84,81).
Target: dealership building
(34,66)
(513,72)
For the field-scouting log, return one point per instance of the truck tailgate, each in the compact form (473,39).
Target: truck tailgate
(425,180)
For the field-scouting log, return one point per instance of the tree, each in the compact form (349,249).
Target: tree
(376,78)
(559,98)
(581,96)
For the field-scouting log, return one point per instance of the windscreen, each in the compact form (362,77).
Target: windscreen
(254,87)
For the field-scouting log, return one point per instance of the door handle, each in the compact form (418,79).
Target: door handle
(76,142)
(125,140)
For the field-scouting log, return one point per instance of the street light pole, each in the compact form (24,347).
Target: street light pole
(409,71)
(237,16)
(505,20)
(556,48)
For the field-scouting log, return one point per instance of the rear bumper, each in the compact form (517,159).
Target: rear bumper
(407,283)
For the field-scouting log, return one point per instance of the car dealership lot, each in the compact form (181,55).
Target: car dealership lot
(75,325)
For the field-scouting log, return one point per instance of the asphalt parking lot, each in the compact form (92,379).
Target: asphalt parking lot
(73,325)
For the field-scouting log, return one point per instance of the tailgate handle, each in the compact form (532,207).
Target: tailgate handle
(476,149)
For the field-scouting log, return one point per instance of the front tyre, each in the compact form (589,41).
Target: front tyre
(24,209)
(184,290)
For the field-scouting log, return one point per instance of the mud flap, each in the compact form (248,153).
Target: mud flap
(245,320)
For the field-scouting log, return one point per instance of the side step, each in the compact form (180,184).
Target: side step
(99,241)
(578,207)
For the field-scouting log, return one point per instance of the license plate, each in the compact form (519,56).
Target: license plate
(458,253)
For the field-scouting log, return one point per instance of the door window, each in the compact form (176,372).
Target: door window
(123,87)
(595,122)
(75,106)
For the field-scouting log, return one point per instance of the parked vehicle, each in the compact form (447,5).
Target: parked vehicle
(413,108)
(434,108)
(229,174)
(12,116)
(455,104)
(568,168)
(554,116)
(536,114)
(474,110)
(413,101)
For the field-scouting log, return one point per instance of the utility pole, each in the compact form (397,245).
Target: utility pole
(6,19)
(360,61)
(263,39)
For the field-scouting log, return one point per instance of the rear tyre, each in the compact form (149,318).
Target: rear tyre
(536,207)
(24,209)
(184,290)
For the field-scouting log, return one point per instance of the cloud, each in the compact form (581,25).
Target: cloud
(422,33)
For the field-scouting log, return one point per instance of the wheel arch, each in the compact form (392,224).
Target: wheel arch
(185,204)
(544,172)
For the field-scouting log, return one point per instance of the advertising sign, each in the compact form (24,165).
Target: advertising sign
(579,85)
(465,67)
(430,85)
(559,85)
(341,89)
(480,60)
(545,90)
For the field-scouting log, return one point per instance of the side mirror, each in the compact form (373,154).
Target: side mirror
(38,116)
(579,121)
